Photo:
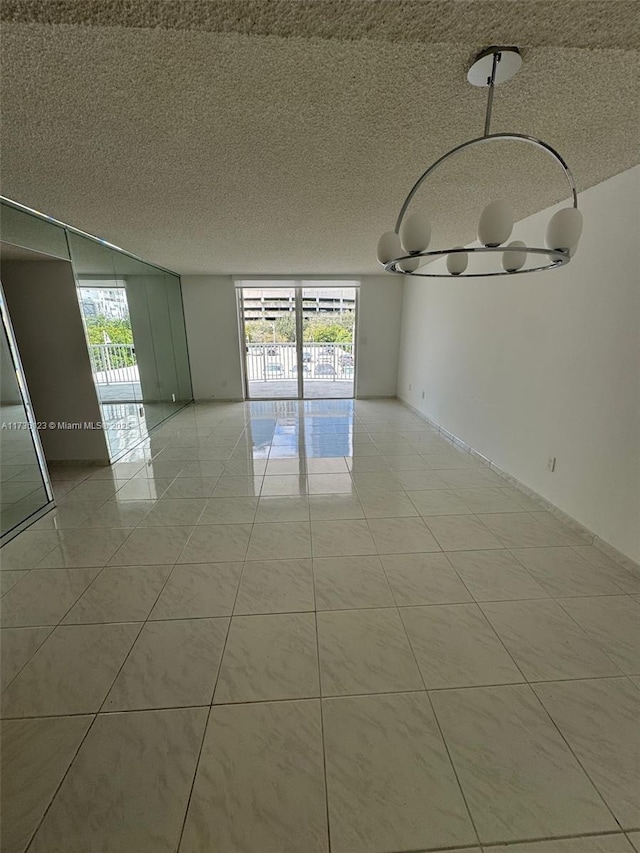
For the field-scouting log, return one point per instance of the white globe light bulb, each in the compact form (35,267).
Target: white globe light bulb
(389,247)
(409,264)
(513,261)
(496,224)
(416,233)
(564,229)
(457,262)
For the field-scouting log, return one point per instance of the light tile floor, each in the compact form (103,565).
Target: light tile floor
(282,627)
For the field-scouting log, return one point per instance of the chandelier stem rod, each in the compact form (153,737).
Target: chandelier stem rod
(491,83)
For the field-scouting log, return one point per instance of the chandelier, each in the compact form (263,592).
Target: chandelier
(405,250)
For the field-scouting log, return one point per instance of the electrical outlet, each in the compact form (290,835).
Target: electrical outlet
(410,387)
(423,393)
(551,463)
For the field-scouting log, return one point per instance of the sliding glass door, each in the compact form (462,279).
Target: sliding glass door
(298,340)
(328,321)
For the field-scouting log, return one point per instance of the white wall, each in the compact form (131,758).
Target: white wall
(546,364)
(210,316)
(214,348)
(378,340)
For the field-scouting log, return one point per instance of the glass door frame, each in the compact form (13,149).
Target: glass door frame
(298,287)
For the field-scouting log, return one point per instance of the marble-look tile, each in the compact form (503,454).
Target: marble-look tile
(286,467)
(171,664)
(341,538)
(174,511)
(234,487)
(145,490)
(562,571)
(634,838)
(70,516)
(119,594)
(330,484)
(217,543)
(545,642)
(275,586)
(282,508)
(191,487)
(9,579)
(456,647)
(584,844)
(17,646)
(599,720)
(281,540)
(327,465)
(438,502)
(365,651)
(212,468)
(267,759)
(613,622)
(35,757)
(92,490)
(86,548)
(335,507)
(347,583)
(410,462)
(269,657)
(380,482)
(523,530)
(240,510)
(519,778)
(627,579)
(151,546)
(386,504)
(117,513)
(402,536)
(490,499)
(44,597)
(27,549)
(423,579)
(71,672)
(366,464)
(571,534)
(128,787)
(468,478)
(495,576)
(390,782)
(461,533)
(286,484)
(160,468)
(199,590)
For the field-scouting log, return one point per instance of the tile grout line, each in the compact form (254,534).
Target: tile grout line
(444,742)
(210,711)
(320,697)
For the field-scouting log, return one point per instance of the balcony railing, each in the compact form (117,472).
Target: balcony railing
(326,362)
(112,363)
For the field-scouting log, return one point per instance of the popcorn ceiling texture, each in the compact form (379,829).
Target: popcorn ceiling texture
(267,137)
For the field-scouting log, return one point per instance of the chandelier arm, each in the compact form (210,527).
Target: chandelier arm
(518,137)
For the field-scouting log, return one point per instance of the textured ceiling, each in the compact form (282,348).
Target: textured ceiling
(273,136)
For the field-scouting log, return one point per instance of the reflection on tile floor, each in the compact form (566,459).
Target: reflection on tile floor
(295,627)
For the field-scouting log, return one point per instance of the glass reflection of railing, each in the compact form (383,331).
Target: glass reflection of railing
(326,362)
(112,363)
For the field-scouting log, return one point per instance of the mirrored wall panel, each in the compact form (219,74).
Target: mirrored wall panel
(23,491)
(134,322)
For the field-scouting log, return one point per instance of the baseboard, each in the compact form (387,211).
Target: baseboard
(593,539)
